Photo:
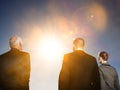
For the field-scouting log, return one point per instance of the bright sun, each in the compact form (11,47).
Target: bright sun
(51,48)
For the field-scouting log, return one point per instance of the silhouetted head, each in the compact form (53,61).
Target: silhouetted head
(103,57)
(78,44)
(15,42)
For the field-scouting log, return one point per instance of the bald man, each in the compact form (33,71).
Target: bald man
(79,70)
(15,67)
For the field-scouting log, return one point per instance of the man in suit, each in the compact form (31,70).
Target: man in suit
(79,70)
(108,74)
(15,67)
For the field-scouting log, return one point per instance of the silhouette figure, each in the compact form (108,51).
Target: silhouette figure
(15,67)
(79,70)
(108,74)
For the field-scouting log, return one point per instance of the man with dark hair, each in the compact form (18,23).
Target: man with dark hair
(108,74)
(79,70)
(15,67)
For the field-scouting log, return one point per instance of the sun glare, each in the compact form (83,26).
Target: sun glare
(51,48)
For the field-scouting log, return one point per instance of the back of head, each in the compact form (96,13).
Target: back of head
(78,44)
(15,42)
(104,55)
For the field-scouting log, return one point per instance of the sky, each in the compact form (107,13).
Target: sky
(48,28)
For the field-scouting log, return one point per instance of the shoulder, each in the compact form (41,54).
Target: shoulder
(25,53)
(5,54)
(90,56)
(25,56)
(14,52)
(91,59)
(69,54)
(113,68)
(67,57)
(108,67)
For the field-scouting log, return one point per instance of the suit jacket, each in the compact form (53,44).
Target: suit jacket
(14,70)
(79,72)
(109,77)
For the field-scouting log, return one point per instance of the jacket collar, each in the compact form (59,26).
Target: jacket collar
(79,51)
(14,50)
(106,64)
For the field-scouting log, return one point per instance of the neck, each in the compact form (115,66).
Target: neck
(79,49)
(15,49)
(104,62)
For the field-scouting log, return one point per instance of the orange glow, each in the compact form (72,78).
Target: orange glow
(97,16)
(51,48)
(47,46)
(90,17)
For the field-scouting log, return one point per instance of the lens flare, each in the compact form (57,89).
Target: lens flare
(97,16)
(51,48)
(91,17)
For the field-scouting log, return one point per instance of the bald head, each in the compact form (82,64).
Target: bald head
(79,44)
(15,42)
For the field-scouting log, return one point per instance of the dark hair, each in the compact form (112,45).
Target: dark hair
(104,55)
(75,42)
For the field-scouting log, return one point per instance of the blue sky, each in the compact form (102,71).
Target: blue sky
(96,21)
